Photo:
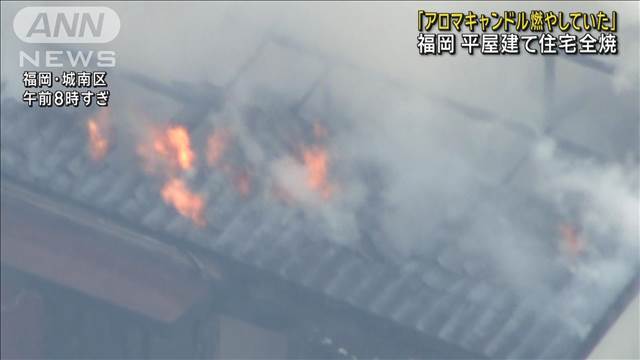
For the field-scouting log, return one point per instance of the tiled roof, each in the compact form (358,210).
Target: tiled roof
(46,150)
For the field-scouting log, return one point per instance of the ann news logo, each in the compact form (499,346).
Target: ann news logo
(65,76)
(66,25)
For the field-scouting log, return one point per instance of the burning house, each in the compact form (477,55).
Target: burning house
(236,226)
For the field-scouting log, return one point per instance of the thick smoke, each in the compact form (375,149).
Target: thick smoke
(421,149)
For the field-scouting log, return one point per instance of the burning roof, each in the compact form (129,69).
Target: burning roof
(199,181)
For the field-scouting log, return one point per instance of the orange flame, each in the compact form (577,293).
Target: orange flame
(316,161)
(168,148)
(574,244)
(242,183)
(240,178)
(97,128)
(216,146)
(188,204)
(319,131)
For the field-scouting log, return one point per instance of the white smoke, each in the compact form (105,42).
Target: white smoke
(442,172)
